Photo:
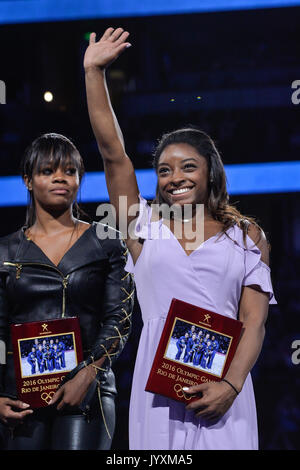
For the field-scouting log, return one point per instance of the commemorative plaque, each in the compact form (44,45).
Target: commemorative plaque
(44,352)
(196,346)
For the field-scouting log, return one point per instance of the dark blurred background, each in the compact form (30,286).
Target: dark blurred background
(240,65)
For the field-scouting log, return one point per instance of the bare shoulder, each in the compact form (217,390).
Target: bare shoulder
(258,236)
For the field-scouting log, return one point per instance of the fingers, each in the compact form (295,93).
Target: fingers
(117,36)
(122,38)
(107,33)
(208,416)
(202,409)
(60,405)
(65,401)
(17,415)
(212,405)
(198,405)
(92,38)
(16,403)
(14,417)
(122,47)
(195,388)
(58,394)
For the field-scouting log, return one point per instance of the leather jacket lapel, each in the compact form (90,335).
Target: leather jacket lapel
(86,250)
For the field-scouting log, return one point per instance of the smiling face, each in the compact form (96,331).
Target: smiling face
(182,175)
(54,187)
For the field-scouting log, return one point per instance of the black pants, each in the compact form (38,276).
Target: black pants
(47,429)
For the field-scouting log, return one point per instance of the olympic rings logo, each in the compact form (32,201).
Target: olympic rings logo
(47,397)
(181,393)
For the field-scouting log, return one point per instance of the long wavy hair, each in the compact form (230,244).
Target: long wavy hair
(60,151)
(218,198)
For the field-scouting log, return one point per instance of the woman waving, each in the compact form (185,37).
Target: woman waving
(224,270)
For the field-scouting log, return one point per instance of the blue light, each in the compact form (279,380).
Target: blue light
(23,11)
(252,178)
(260,178)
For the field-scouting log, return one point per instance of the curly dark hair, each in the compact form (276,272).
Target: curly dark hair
(218,198)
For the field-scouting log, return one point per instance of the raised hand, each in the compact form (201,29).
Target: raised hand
(105,51)
(120,176)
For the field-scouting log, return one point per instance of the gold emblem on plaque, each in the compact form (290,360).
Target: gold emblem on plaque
(206,319)
(181,393)
(47,397)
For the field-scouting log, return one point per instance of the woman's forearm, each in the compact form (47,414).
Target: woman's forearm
(103,120)
(247,353)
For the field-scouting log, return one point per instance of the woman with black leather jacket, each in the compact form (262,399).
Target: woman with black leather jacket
(57,267)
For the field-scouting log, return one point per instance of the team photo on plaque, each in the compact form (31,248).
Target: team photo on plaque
(47,355)
(44,352)
(198,347)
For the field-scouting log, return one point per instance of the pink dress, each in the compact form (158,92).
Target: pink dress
(211,277)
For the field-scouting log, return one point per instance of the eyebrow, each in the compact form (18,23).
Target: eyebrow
(49,164)
(183,161)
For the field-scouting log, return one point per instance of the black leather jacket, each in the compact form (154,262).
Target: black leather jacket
(89,282)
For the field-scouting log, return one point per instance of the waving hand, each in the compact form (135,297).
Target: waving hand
(105,51)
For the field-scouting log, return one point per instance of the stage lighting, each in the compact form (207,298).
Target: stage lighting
(48,96)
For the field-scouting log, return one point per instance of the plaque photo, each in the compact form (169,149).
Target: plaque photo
(47,356)
(44,353)
(198,347)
